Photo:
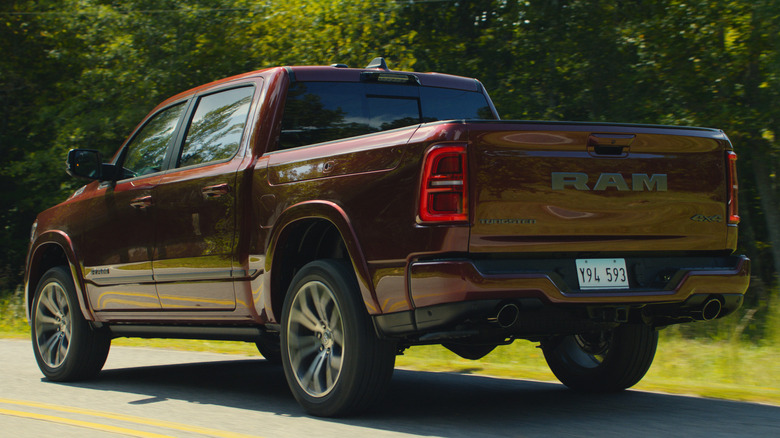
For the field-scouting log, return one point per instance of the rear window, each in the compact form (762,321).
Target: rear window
(318,112)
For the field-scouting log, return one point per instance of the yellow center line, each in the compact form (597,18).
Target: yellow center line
(127,418)
(86,424)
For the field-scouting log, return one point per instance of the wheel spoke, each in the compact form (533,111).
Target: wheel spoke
(306,309)
(60,301)
(45,321)
(334,322)
(305,319)
(312,375)
(329,374)
(66,333)
(303,346)
(315,338)
(338,335)
(48,349)
(334,367)
(46,301)
(62,349)
(321,304)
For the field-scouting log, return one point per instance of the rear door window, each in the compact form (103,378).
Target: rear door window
(316,112)
(217,125)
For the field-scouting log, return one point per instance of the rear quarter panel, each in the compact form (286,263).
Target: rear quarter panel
(373,183)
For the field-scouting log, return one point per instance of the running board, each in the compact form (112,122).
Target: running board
(243,333)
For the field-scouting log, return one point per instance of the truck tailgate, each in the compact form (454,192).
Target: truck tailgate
(579,187)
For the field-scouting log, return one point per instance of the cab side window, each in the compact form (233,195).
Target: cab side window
(214,134)
(145,153)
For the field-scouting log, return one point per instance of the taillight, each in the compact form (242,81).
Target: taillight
(733,186)
(444,187)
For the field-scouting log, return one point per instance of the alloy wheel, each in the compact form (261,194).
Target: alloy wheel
(315,336)
(53,324)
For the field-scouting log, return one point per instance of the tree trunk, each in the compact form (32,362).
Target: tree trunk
(769,204)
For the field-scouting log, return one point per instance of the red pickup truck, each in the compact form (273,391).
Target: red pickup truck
(336,216)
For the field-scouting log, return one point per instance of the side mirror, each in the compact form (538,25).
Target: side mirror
(88,163)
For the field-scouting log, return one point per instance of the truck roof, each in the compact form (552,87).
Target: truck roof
(340,74)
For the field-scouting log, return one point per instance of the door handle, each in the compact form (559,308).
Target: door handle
(141,203)
(215,191)
(328,167)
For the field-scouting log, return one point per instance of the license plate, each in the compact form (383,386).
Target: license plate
(602,274)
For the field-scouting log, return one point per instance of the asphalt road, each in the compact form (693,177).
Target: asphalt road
(155,393)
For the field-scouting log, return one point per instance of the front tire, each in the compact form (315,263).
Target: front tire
(65,345)
(607,361)
(333,361)
(271,349)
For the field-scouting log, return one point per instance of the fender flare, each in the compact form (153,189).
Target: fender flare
(333,213)
(61,240)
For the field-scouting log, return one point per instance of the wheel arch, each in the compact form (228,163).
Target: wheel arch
(53,248)
(312,231)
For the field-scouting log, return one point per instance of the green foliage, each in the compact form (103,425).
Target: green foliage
(13,321)
(83,73)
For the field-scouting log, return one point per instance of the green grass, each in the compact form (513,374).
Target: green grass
(729,370)
(723,370)
(13,322)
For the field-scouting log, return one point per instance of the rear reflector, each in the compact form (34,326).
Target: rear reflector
(444,185)
(733,187)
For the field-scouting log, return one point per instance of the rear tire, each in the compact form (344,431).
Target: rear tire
(606,361)
(334,363)
(65,345)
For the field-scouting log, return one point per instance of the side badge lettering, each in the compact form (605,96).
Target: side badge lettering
(507,221)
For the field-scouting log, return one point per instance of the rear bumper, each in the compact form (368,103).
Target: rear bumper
(663,280)
(456,293)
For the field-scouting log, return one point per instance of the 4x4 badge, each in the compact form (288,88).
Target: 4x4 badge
(702,218)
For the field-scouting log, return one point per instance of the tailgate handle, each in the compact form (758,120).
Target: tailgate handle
(614,145)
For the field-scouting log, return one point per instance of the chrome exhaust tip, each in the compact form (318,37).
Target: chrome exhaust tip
(507,315)
(711,309)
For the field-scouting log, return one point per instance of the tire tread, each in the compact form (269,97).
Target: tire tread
(374,369)
(628,360)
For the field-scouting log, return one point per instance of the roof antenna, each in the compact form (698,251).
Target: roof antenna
(378,63)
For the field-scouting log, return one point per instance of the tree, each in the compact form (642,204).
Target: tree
(82,73)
